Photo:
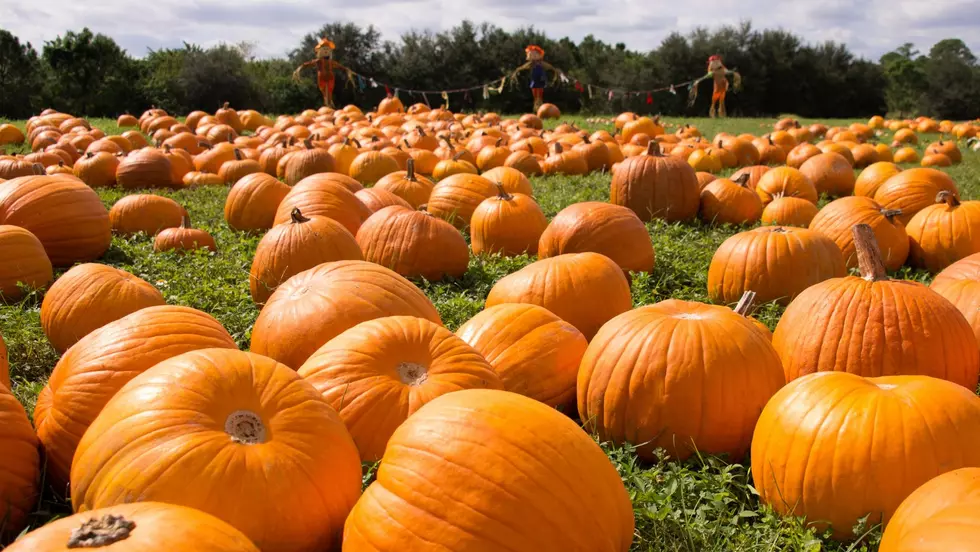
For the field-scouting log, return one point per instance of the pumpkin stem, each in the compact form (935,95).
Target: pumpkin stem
(226,105)
(869,256)
(502,193)
(101,532)
(297,216)
(37,168)
(743,179)
(744,306)
(457,155)
(185,222)
(412,374)
(890,213)
(308,143)
(653,148)
(238,154)
(357,143)
(245,427)
(558,148)
(948,198)
(89,155)
(204,144)
(410,170)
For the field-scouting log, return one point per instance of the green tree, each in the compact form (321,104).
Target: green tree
(906,80)
(20,77)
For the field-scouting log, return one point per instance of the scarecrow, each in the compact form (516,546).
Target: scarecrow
(325,66)
(539,77)
(719,74)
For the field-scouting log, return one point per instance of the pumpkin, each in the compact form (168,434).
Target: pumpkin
(142,527)
(939,515)
(913,190)
(864,155)
(409,186)
(9,134)
(944,233)
(641,125)
(535,353)
(197,179)
(960,284)
(509,479)
(218,403)
(755,173)
(800,154)
(63,213)
(211,159)
(746,154)
(836,447)
(104,360)
(936,160)
(25,263)
(337,178)
(457,164)
(510,224)
(948,149)
(595,153)
(705,178)
(315,306)
(612,230)
(785,182)
(20,468)
(513,180)
(702,160)
(376,199)
(252,202)
(183,238)
(769,261)
(182,163)
(873,177)
(305,162)
(11,168)
(656,186)
(88,297)
(838,217)
(146,168)
(788,211)
(493,156)
(830,173)
(231,172)
(145,213)
(524,162)
(656,378)
(392,366)
(316,196)
(724,201)
(564,162)
(298,245)
(455,198)
(390,104)
(585,289)
(873,326)
(371,166)
(906,155)
(413,244)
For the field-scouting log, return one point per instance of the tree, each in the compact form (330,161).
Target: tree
(209,78)
(20,77)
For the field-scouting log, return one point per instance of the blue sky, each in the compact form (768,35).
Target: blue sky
(870,28)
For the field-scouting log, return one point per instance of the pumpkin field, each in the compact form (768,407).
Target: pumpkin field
(409,329)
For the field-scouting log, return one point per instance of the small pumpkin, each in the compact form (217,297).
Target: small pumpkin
(947,148)
(789,211)
(785,182)
(184,238)
(98,170)
(725,201)
(455,198)
(510,224)
(944,233)
(20,468)
(565,162)
(414,244)
(413,188)
(913,190)
(837,219)
(25,263)
(611,230)
(145,213)
(830,173)
(252,202)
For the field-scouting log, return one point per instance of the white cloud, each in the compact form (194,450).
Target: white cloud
(869,28)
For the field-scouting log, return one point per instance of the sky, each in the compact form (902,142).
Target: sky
(870,28)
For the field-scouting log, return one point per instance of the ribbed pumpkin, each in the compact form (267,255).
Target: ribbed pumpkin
(252,202)
(837,447)
(101,362)
(184,238)
(233,171)
(19,466)
(298,245)
(307,161)
(88,297)
(525,162)
(24,262)
(455,198)
(211,159)
(319,304)
(98,170)
(371,166)
(800,154)
(944,233)
(376,199)
(946,148)
(414,189)
(413,244)
(611,230)
(145,213)
(495,486)
(939,516)
(755,173)
(513,180)
(785,182)
(62,212)
(936,160)
(321,197)
(138,527)
(11,168)
(381,371)
(656,186)
(347,182)
(457,164)
(247,410)
(838,217)
(585,289)
(655,377)
(197,179)
(913,190)
(788,211)
(768,261)
(725,201)
(509,224)
(873,326)
(535,353)
(492,156)
(145,168)
(873,177)
(959,283)
(830,173)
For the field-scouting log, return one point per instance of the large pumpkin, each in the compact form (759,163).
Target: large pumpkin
(137,527)
(656,186)
(913,190)
(319,304)
(19,466)
(455,198)
(830,173)
(252,202)
(959,283)
(659,376)
(940,516)
(535,353)
(96,367)
(873,177)
(414,244)
(585,289)
(775,262)
(317,196)
(63,213)
(873,326)
(379,372)
(146,168)
(90,296)
(599,227)
(837,219)
(220,420)
(510,224)
(24,263)
(944,233)
(145,213)
(492,490)
(837,447)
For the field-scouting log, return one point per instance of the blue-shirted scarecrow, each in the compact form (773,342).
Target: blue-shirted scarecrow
(539,68)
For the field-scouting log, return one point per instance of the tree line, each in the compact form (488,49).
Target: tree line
(87,73)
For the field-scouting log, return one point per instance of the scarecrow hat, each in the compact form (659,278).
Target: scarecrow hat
(534,48)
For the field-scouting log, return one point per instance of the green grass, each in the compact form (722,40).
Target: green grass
(701,505)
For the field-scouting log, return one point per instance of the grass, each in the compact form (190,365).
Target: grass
(704,504)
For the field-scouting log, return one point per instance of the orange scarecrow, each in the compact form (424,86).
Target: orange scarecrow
(719,74)
(325,67)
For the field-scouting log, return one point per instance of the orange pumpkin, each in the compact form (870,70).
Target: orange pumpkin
(655,186)
(959,283)
(873,326)
(611,230)
(913,190)
(231,172)
(725,201)
(391,367)
(513,180)
(252,202)
(940,515)
(838,217)
(515,478)
(371,166)
(785,182)
(788,211)
(98,170)
(800,154)
(238,407)
(184,238)
(20,466)
(318,196)
(830,173)
(906,155)
(510,224)
(376,199)
(146,168)
(655,378)
(306,162)
(755,173)
(836,447)
(455,198)
(413,244)
(25,263)
(145,213)
(414,189)
(944,233)
(873,177)
(946,148)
